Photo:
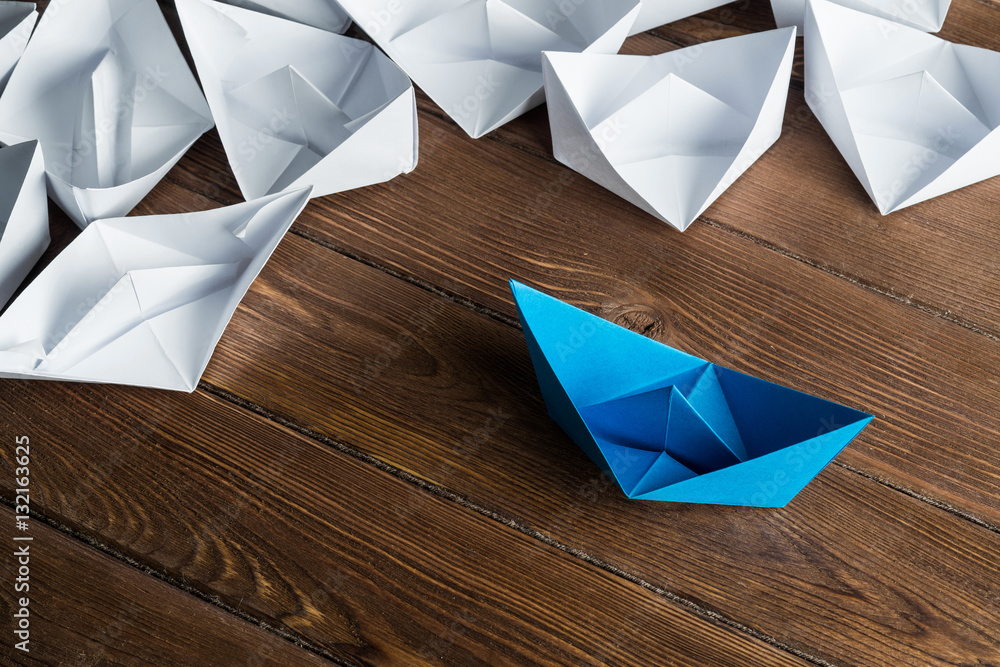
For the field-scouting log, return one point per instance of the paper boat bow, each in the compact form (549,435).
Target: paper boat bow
(143,300)
(297,105)
(480,60)
(913,115)
(669,426)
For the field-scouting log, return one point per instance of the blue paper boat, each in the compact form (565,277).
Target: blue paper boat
(666,425)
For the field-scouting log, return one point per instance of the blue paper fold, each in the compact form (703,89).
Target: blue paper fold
(666,425)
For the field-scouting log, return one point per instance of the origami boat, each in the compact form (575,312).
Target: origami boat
(913,115)
(143,300)
(104,89)
(670,132)
(17,19)
(296,105)
(666,425)
(24,214)
(481,60)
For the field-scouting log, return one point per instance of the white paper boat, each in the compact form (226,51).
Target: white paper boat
(17,19)
(671,132)
(24,214)
(105,90)
(926,15)
(143,300)
(324,14)
(660,12)
(480,60)
(297,105)
(913,115)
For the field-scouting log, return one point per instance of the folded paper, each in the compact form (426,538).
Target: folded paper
(669,426)
(297,105)
(480,60)
(24,214)
(913,115)
(671,132)
(143,300)
(660,12)
(926,15)
(17,19)
(324,14)
(105,90)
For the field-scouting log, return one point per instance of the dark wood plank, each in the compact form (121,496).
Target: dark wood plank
(446,394)
(86,608)
(308,539)
(708,292)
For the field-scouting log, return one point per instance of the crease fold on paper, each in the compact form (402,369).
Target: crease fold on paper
(480,60)
(24,214)
(296,105)
(143,300)
(913,115)
(925,15)
(324,14)
(669,133)
(17,20)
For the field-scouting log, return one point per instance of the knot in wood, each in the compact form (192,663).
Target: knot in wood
(640,319)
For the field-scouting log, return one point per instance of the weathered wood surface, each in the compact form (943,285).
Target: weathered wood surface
(88,608)
(357,565)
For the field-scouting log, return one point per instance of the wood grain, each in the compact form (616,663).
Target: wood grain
(448,395)
(87,608)
(353,560)
(706,291)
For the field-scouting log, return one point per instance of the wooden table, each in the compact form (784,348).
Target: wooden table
(367,474)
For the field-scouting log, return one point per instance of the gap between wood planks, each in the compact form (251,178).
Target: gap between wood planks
(465,302)
(491,313)
(486,311)
(784,252)
(445,494)
(294,639)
